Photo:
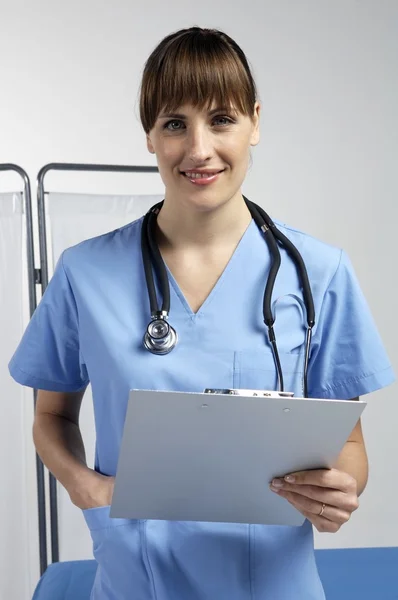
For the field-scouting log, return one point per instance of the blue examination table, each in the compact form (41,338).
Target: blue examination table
(352,574)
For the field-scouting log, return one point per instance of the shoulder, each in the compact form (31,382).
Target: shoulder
(107,247)
(320,258)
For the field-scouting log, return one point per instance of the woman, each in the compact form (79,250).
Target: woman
(200,113)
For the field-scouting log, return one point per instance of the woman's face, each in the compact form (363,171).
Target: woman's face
(203,155)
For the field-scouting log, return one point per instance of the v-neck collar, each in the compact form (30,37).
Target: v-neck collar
(238,250)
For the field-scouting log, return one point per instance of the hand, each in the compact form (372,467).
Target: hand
(327,498)
(93,490)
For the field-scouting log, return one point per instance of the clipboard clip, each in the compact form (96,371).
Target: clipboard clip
(243,392)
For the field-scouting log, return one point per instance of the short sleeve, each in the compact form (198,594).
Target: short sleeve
(347,358)
(48,356)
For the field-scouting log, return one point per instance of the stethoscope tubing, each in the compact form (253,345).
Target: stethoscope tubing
(273,236)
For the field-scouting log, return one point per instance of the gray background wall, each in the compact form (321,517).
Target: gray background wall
(327,163)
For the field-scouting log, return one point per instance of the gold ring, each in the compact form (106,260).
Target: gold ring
(322,509)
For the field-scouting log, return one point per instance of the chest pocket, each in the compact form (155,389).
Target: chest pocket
(255,369)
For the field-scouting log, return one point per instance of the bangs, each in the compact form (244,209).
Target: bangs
(199,70)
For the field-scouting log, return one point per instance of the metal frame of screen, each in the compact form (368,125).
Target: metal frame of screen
(42,279)
(32,281)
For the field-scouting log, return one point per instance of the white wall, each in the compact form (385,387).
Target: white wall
(327,77)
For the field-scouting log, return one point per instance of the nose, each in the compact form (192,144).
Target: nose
(198,144)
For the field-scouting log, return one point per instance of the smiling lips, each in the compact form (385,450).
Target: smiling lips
(198,177)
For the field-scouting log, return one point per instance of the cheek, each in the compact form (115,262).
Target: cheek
(167,158)
(168,154)
(238,150)
(240,158)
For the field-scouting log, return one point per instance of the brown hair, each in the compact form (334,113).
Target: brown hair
(196,66)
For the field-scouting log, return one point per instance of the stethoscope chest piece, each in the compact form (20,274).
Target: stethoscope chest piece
(160,337)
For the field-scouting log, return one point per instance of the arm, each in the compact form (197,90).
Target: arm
(353,458)
(59,444)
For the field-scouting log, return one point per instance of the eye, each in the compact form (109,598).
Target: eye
(227,120)
(173,122)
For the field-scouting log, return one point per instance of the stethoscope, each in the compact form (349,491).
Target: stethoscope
(160,337)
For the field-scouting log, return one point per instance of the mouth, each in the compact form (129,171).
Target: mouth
(201,178)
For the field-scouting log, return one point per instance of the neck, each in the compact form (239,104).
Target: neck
(183,226)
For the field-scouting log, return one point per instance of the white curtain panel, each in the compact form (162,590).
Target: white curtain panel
(18,506)
(72,218)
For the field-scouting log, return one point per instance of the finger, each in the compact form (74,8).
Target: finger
(328,478)
(323,525)
(312,508)
(335,498)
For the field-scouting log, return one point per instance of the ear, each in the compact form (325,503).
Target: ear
(255,135)
(149,145)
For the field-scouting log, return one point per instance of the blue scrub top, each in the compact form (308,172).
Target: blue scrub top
(89,327)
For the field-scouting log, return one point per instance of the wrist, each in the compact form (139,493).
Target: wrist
(80,484)
(91,489)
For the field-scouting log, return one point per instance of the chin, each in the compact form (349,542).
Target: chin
(206,203)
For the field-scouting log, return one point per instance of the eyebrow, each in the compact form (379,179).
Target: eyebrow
(182,116)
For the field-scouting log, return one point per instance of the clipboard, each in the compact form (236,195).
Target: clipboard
(211,456)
